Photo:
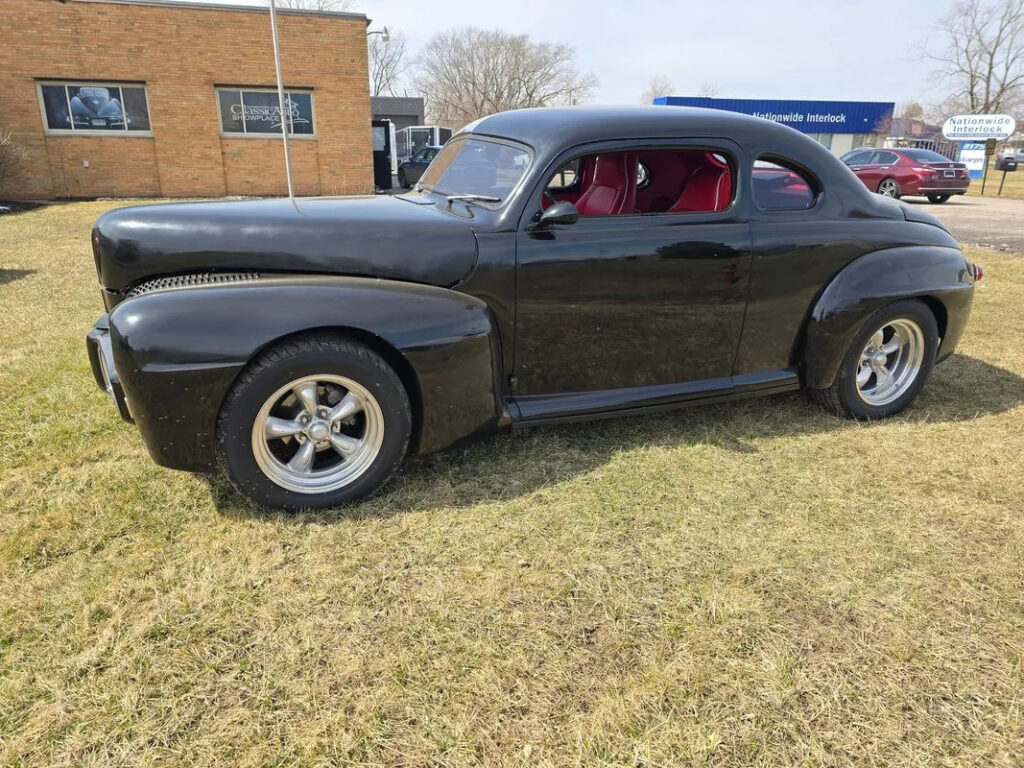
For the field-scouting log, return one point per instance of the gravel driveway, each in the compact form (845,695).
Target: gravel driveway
(993,222)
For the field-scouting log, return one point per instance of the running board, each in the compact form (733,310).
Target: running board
(583,406)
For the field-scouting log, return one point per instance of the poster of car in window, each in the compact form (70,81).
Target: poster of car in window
(95,107)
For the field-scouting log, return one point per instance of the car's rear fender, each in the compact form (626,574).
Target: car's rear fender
(178,352)
(941,277)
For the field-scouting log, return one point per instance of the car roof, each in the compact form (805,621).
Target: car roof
(550,131)
(579,125)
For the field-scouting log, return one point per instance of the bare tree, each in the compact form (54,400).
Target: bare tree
(659,85)
(912,111)
(983,56)
(709,90)
(467,73)
(316,5)
(12,157)
(387,63)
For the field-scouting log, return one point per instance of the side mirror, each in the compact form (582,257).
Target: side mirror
(562,212)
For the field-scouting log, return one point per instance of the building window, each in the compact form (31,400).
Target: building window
(110,108)
(257,112)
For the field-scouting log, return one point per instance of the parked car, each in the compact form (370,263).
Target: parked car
(308,347)
(1012,153)
(410,171)
(1006,162)
(94,107)
(900,172)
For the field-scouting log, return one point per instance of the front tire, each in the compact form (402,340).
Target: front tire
(886,365)
(403,182)
(314,423)
(938,199)
(889,187)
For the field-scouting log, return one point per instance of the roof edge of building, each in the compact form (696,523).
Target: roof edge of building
(200,5)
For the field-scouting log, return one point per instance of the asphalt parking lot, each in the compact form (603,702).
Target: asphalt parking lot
(991,222)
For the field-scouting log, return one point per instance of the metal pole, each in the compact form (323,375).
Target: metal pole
(1001,182)
(280,98)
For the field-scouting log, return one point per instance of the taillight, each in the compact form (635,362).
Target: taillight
(978,272)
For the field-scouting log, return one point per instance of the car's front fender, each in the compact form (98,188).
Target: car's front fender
(941,277)
(178,351)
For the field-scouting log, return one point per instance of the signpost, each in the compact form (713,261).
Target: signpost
(990,149)
(281,101)
(976,128)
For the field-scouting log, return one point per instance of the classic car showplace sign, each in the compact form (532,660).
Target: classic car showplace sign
(270,113)
(979,127)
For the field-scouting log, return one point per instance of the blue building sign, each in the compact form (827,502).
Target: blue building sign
(857,117)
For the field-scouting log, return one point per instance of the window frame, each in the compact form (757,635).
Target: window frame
(241,89)
(714,145)
(514,192)
(72,131)
(788,163)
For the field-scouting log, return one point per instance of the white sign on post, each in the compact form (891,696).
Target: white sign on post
(975,127)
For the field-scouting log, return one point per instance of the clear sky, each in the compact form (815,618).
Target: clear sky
(748,48)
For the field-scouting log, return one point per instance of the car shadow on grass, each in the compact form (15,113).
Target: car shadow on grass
(517,464)
(10,275)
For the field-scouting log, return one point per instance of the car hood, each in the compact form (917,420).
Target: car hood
(382,236)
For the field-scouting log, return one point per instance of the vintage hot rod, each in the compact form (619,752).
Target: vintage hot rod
(551,265)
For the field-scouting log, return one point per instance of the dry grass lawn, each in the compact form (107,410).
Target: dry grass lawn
(756,584)
(1013,187)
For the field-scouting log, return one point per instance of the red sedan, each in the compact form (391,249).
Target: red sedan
(899,172)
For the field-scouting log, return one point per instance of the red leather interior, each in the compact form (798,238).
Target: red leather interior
(613,189)
(687,180)
(709,188)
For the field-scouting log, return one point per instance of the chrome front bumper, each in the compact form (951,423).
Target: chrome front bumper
(101,358)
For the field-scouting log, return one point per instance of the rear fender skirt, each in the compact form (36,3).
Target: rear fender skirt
(178,352)
(941,277)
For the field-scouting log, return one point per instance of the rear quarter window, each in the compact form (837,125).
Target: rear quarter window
(779,185)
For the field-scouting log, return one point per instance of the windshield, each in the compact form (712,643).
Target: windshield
(472,166)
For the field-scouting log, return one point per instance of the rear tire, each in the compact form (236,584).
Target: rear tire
(886,365)
(889,187)
(314,423)
(402,181)
(938,199)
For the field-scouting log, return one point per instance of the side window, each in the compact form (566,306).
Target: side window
(884,158)
(857,158)
(646,182)
(780,186)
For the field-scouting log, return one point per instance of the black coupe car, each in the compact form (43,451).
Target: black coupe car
(551,265)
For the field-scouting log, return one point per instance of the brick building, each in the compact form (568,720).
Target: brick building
(128,98)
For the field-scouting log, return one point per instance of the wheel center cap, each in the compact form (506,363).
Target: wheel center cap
(319,431)
(880,358)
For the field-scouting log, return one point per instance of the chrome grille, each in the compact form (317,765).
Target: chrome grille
(188,281)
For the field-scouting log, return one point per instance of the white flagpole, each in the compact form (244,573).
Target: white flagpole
(285,116)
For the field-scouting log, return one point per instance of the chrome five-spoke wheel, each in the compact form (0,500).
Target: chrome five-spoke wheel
(317,434)
(886,363)
(890,361)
